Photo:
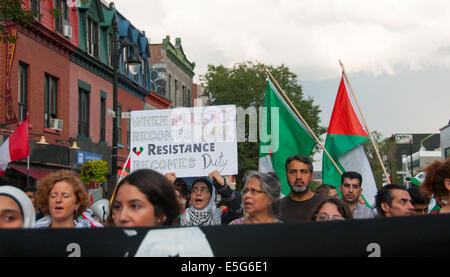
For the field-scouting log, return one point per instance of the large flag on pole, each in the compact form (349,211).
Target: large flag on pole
(282,134)
(16,147)
(346,134)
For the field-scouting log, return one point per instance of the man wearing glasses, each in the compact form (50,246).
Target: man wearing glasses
(301,201)
(351,191)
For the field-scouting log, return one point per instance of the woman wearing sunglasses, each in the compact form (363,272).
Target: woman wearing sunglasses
(331,209)
(260,197)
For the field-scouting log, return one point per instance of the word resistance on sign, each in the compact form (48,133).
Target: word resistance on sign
(180,148)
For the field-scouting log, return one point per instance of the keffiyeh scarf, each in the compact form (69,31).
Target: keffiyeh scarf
(210,215)
(45,222)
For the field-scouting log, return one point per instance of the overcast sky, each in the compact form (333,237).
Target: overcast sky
(396,53)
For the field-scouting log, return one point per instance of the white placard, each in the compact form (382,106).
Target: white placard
(404,139)
(188,141)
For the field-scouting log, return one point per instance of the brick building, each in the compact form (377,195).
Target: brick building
(61,74)
(172,73)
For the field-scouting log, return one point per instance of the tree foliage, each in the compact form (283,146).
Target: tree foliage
(94,171)
(11,12)
(244,85)
(385,146)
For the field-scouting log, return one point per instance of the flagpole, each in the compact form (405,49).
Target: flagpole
(118,179)
(364,120)
(303,120)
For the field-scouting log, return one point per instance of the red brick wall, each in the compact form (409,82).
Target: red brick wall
(47,20)
(128,101)
(125,99)
(41,60)
(2,81)
(156,56)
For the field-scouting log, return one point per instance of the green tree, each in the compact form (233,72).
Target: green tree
(244,85)
(385,147)
(11,12)
(94,171)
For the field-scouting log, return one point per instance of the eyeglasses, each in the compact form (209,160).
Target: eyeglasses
(326,217)
(252,191)
(201,190)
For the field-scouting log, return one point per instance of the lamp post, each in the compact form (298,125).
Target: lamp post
(74,146)
(134,63)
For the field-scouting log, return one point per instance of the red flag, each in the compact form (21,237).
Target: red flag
(16,147)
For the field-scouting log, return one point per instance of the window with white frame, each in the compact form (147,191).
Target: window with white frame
(92,37)
(50,99)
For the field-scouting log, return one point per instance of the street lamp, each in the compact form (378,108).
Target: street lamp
(134,63)
(74,146)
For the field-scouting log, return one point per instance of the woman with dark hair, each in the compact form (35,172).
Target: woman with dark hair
(331,209)
(145,198)
(437,183)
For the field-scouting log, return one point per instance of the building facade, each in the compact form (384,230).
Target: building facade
(59,72)
(445,141)
(172,73)
(398,159)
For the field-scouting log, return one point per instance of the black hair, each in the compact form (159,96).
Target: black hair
(342,207)
(325,188)
(299,158)
(30,189)
(384,195)
(182,187)
(418,197)
(158,190)
(351,175)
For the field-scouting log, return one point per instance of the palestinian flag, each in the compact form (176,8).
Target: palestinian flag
(122,173)
(345,137)
(418,179)
(282,135)
(125,171)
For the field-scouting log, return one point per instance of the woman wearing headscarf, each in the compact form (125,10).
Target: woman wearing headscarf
(203,210)
(16,208)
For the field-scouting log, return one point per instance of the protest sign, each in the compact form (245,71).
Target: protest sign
(408,236)
(188,141)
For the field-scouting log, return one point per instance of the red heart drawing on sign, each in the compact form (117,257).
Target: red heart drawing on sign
(138,152)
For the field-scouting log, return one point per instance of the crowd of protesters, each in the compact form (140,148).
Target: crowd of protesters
(146,198)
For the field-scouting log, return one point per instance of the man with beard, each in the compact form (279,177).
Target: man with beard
(351,190)
(301,201)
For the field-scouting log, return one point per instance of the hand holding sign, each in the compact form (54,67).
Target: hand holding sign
(215,175)
(187,141)
(171,176)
